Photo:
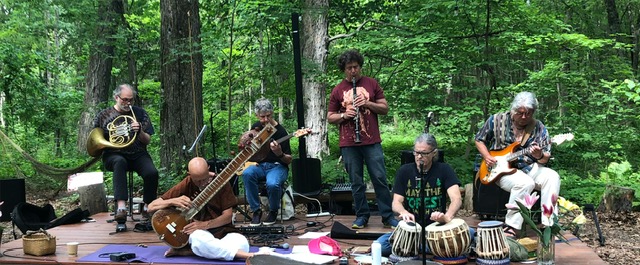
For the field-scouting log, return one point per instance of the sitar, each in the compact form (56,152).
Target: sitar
(169,223)
(265,149)
(504,157)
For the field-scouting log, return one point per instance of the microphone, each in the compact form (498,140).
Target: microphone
(285,246)
(421,167)
(430,115)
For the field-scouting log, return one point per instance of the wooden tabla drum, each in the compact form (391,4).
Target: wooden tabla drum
(449,242)
(491,243)
(405,240)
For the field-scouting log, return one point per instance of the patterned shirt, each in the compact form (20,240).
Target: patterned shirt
(498,134)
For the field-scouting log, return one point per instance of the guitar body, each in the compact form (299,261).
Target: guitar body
(168,224)
(502,167)
(488,175)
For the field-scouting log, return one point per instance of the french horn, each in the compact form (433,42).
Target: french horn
(119,135)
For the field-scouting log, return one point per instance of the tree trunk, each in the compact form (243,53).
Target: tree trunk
(93,198)
(98,78)
(617,199)
(181,78)
(314,49)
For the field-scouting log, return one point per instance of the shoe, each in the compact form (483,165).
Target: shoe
(145,215)
(121,216)
(271,218)
(257,218)
(359,223)
(391,223)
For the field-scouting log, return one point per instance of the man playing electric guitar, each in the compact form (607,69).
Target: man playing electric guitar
(519,125)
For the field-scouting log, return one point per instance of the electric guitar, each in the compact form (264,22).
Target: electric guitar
(264,151)
(504,157)
(169,223)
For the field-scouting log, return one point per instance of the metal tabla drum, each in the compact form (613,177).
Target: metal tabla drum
(491,243)
(449,242)
(405,241)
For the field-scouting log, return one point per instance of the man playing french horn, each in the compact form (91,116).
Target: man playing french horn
(128,129)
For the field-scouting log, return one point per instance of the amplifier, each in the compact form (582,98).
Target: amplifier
(255,230)
(341,187)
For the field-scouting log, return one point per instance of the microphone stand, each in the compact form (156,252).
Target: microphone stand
(422,213)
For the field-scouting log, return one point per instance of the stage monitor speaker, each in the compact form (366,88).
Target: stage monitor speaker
(11,193)
(307,179)
(406,156)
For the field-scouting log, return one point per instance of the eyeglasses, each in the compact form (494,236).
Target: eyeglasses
(126,99)
(527,113)
(423,154)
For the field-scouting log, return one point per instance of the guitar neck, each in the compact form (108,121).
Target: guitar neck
(522,152)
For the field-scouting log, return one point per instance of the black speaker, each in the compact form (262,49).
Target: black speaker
(489,200)
(406,156)
(11,193)
(307,179)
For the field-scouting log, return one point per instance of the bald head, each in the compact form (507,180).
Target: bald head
(198,169)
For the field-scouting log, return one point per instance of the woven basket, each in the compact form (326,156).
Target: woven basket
(38,243)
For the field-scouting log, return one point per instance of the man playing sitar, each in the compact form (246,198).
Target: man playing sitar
(518,125)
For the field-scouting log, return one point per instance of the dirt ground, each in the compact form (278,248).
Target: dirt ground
(620,231)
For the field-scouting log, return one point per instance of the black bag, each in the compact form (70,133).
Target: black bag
(27,217)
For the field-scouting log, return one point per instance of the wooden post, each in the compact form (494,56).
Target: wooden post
(93,198)
(467,204)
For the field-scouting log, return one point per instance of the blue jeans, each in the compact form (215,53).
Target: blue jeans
(386,245)
(275,174)
(354,157)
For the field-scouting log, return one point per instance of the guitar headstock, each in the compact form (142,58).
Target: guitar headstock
(302,132)
(560,138)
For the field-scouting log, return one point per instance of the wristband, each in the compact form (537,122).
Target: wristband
(541,157)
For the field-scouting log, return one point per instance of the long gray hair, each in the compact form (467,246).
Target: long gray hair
(524,99)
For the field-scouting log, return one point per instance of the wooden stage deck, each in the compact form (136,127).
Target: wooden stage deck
(95,235)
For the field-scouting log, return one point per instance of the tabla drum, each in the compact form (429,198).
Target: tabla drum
(491,243)
(405,241)
(449,242)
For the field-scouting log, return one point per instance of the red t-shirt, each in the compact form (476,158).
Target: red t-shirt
(342,98)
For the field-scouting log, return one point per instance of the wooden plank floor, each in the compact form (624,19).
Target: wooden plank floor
(95,235)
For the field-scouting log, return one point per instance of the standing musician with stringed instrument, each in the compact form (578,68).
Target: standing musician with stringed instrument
(518,128)
(354,105)
(211,232)
(128,129)
(273,166)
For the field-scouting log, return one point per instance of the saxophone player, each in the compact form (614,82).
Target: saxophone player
(131,135)
(345,109)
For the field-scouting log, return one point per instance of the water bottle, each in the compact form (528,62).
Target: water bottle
(376,253)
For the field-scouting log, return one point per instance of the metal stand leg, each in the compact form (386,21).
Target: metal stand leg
(131,197)
(589,207)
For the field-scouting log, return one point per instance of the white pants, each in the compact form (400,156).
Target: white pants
(205,245)
(519,184)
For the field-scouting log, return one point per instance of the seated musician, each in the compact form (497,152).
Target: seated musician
(274,169)
(441,181)
(130,158)
(519,125)
(211,233)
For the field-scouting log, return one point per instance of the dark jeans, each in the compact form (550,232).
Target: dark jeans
(372,155)
(141,164)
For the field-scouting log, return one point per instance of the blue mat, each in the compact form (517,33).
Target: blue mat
(155,254)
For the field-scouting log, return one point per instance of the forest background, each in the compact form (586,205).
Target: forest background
(204,62)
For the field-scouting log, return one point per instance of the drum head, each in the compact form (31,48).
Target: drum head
(417,262)
(455,222)
(490,224)
(409,226)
